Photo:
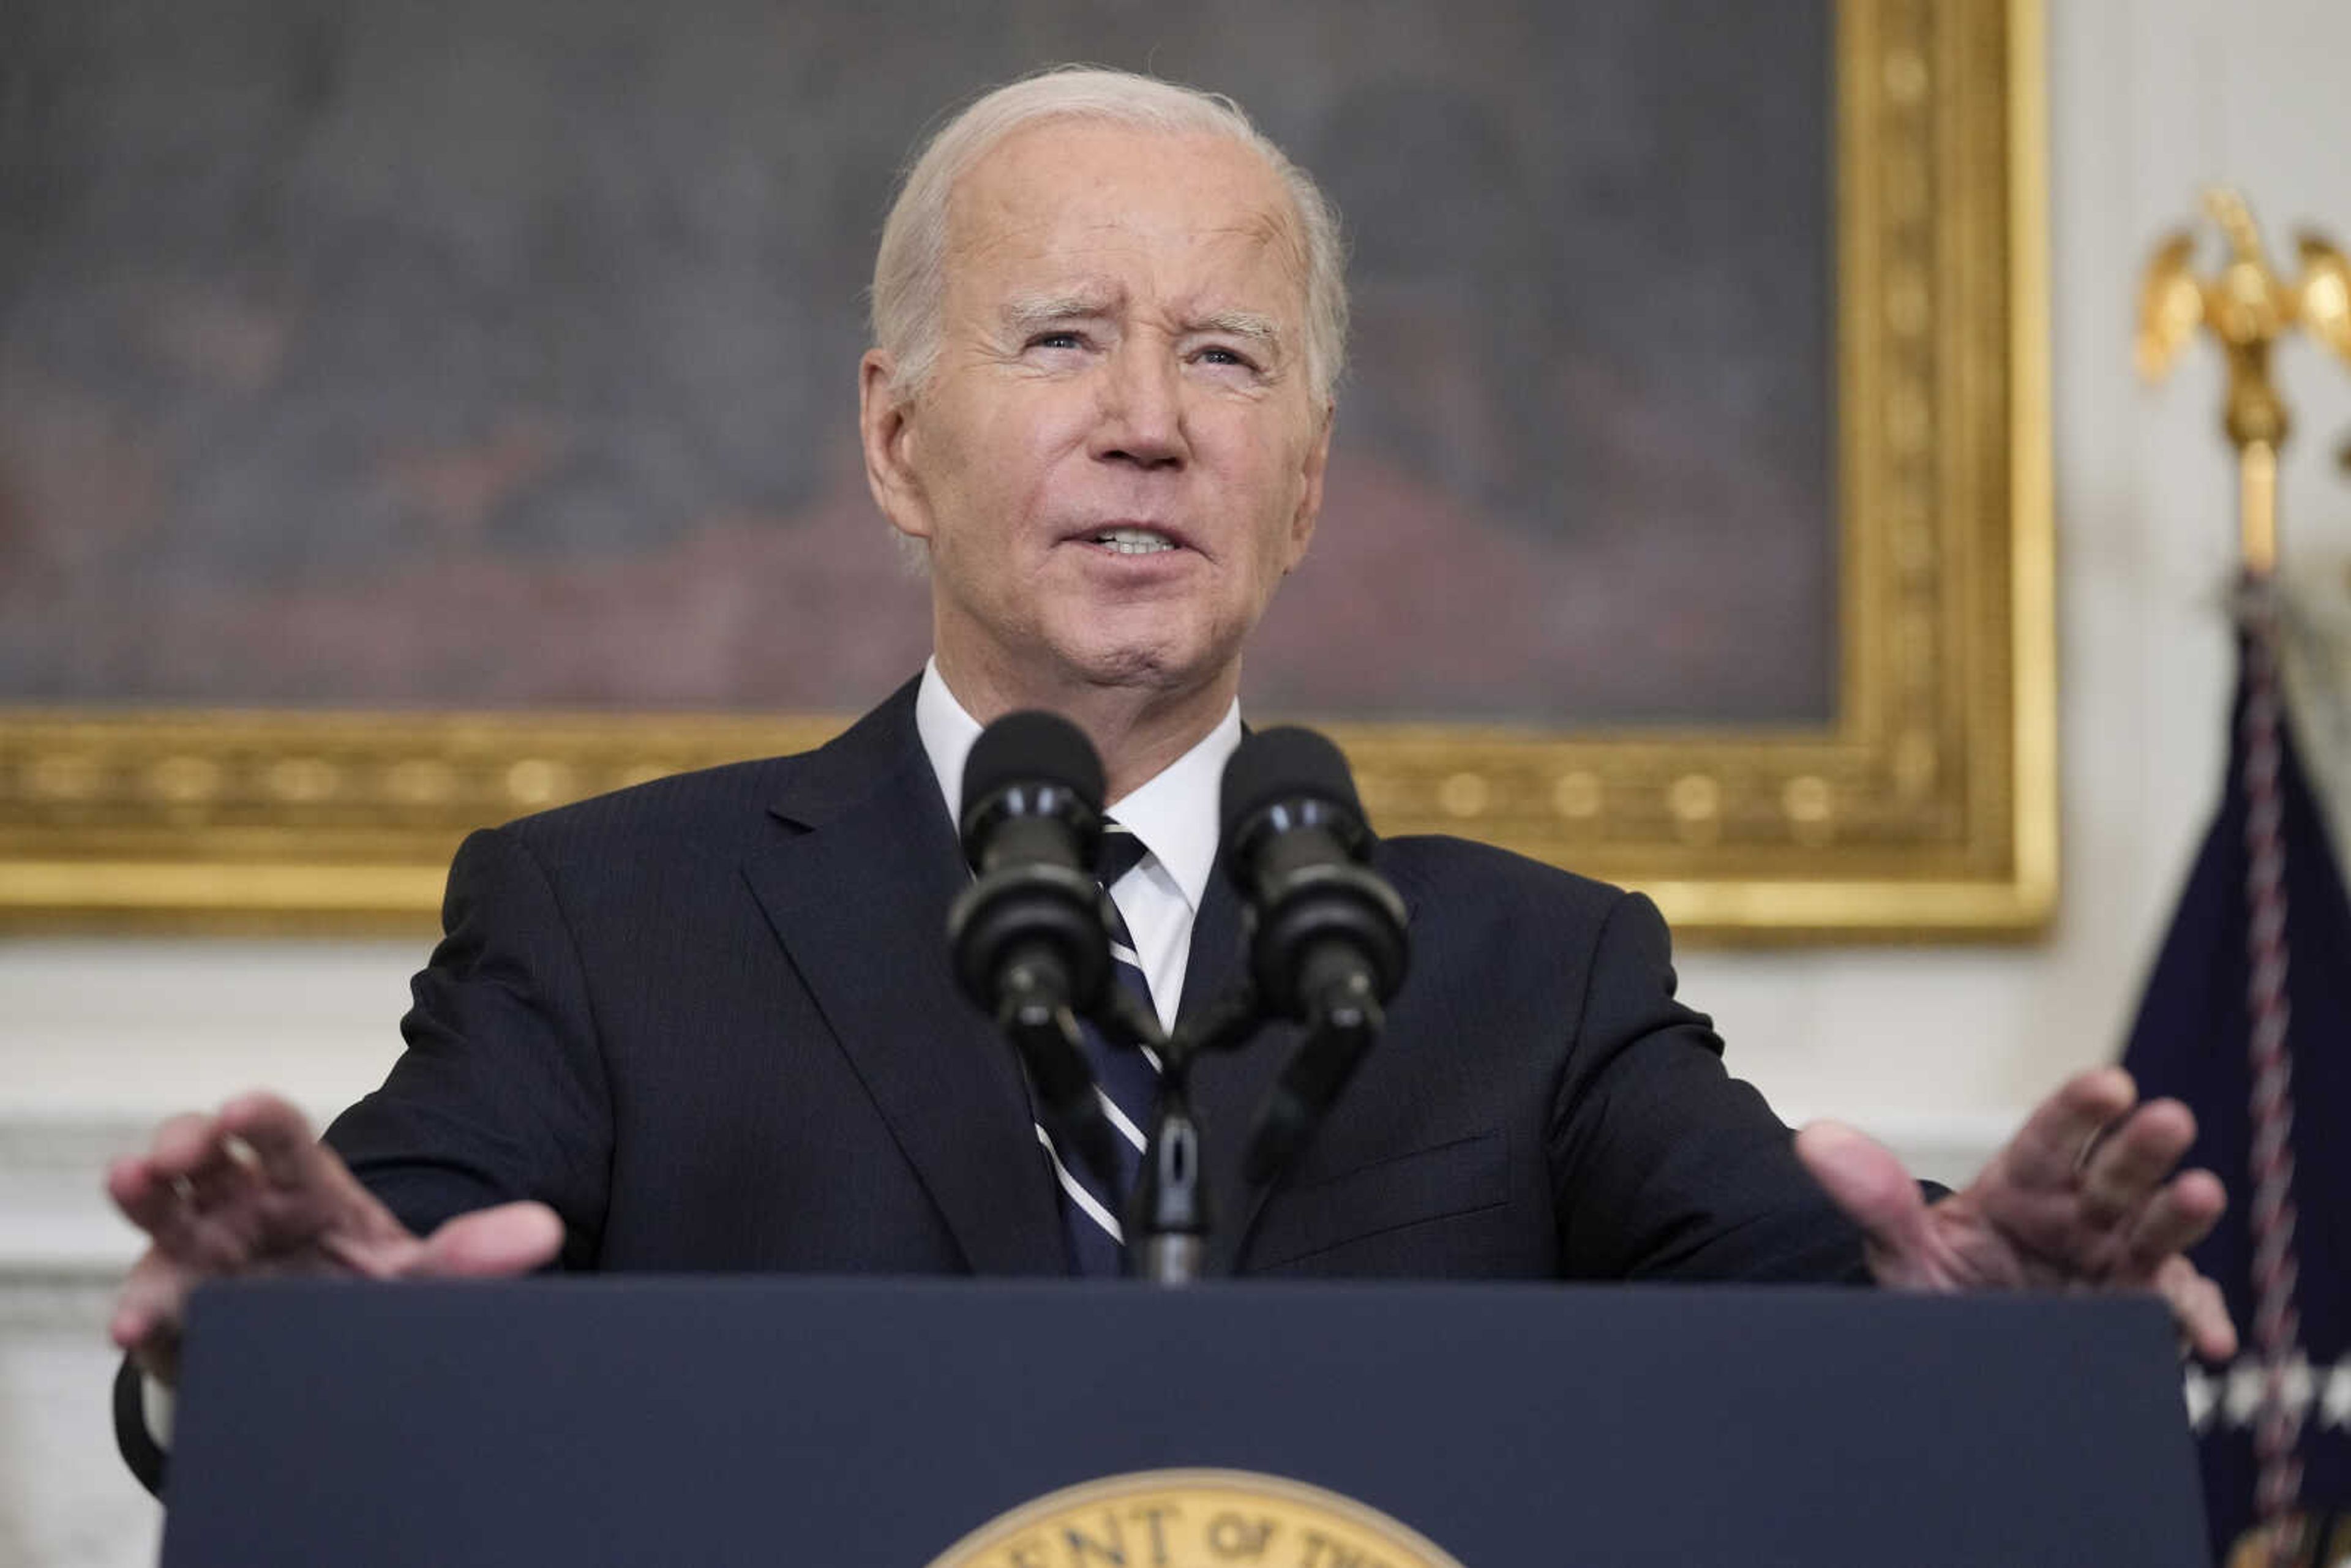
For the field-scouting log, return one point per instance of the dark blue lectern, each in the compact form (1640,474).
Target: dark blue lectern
(831,1423)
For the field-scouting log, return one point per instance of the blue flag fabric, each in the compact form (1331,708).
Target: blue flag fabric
(2191,1042)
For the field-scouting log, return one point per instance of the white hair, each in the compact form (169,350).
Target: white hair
(910,269)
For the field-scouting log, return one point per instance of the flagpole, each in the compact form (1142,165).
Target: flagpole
(2247,306)
(2257,523)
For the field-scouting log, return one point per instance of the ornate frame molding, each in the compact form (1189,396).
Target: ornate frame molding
(1928,809)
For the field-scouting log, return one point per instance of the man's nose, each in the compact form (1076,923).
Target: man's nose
(1142,407)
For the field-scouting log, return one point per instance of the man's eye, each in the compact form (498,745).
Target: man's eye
(1218,354)
(1056,341)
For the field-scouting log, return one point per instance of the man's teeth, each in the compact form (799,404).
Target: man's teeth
(1134,541)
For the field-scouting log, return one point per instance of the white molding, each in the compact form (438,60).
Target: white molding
(55,1223)
(73,1304)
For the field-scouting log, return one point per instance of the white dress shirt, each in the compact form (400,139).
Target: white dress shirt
(1173,815)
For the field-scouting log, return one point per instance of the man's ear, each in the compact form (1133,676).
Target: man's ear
(884,429)
(1310,493)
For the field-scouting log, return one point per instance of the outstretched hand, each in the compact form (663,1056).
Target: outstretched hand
(2083,1197)
(250,1192)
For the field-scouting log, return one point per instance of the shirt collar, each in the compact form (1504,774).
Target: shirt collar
(1174,813)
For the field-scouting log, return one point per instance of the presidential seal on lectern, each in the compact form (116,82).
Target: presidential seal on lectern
(1194,1518)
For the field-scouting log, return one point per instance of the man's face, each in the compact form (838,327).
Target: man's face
(1118,453)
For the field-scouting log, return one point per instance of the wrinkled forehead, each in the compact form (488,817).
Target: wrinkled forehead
(1059,193)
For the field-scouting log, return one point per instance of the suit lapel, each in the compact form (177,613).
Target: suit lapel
(1227,1088)
(860,900)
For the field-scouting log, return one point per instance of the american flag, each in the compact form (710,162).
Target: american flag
(2246,1017)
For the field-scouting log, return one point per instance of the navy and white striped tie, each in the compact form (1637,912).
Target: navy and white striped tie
(1128,1081)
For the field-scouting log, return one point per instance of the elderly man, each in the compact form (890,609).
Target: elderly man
(708,1024)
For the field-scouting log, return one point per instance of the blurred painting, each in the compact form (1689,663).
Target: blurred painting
(502,355)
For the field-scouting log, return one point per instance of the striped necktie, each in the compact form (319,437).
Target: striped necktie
(1128,1081)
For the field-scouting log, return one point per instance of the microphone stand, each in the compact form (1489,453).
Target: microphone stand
(1166,1215)
(1340,1028)
(1169,1216)
(1169,1211)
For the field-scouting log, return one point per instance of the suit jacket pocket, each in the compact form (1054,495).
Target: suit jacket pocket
(1443,1179)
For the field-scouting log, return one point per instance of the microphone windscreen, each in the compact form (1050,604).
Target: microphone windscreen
(1032,747)
(1284,764)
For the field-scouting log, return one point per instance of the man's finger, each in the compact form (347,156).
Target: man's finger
(310,1190)
(2134,1159)
(181,1144)
(160,1205)
(2174,1218)
(202,1175)
(2199,1308)
(225,1192)
(1863,1178)
(512,1238)
(215,1174)
(190,1175)
(145,1198)
(280,1138)
(2062,1129)
(146,1319)
(2045,1230)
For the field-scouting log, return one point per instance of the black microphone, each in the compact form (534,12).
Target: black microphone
(1028,935)
(1326,932)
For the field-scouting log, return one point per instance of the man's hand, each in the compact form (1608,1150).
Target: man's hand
(2082,1197)
(250,1192)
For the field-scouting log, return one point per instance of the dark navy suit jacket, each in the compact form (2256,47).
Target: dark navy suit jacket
(711,1021)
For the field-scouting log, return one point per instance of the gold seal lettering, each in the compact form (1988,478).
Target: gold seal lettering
(1107,1549)
(1194,1518)
(1237,1535)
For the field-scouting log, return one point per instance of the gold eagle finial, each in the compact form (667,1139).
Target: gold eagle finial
(2248,307)
(2246,304)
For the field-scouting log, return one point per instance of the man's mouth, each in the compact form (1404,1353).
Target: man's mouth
(1132,541)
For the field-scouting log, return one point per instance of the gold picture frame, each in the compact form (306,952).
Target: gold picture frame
(1925,810)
